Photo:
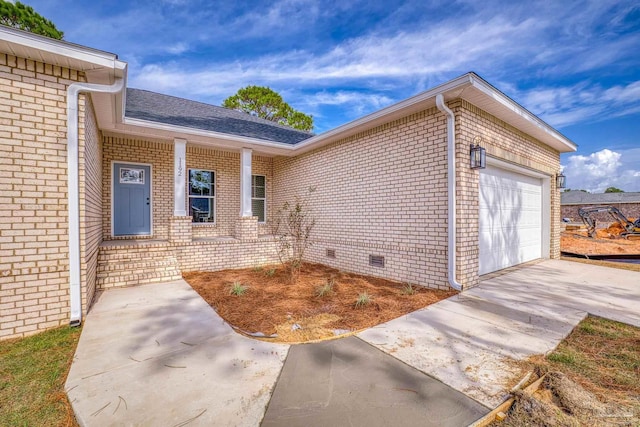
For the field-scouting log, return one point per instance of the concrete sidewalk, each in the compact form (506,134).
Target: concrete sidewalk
(347,382)
(159,355)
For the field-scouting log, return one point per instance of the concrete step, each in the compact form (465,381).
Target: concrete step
(135,265)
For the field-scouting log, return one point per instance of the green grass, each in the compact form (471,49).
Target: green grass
(602,355)
(32,375)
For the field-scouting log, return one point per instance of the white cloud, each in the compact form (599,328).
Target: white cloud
(348,98)
(582,102)
(602,169)
(353,104)
(177,48)
(403,57)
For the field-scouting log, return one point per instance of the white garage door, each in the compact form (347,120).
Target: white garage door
(510,219)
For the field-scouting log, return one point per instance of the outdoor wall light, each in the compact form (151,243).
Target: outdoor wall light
(478,156)
(561,180)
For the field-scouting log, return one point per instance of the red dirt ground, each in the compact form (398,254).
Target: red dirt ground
(607,242)
(272,304)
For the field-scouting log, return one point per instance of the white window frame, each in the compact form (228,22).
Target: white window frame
(259,198)
(195,196)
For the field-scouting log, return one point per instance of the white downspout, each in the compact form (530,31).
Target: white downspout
(451,175)
(74,192)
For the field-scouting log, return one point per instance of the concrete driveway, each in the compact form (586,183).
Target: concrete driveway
(159,355)
(468,340)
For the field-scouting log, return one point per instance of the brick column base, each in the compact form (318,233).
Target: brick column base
(180,229)
(247,228)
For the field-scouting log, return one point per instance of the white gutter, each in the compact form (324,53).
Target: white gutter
(74,192)
(451,175)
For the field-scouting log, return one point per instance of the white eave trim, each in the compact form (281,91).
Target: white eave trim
(456,88)
(165,131)
(91,58)
(401,109)
(516,108)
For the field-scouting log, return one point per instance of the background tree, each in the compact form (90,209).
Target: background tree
(23,17)
(266,103)
(613,190)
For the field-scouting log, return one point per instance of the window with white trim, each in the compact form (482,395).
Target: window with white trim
(202,195)
(259,197)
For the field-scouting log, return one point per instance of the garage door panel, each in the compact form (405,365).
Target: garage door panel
(510,219)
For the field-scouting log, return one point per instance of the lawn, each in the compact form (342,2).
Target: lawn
(593,379)
(32,375)
(323,301)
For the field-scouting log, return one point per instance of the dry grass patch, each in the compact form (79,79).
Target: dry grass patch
(322,296)
(593,379)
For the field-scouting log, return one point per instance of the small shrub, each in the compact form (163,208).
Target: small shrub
(408,289)
(270,272)
(257,268)
(292,233)
(238,289)
(325,289)
(363,299)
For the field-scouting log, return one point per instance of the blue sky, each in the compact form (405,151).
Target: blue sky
(576,64)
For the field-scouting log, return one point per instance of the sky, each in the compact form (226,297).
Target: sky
(575,64)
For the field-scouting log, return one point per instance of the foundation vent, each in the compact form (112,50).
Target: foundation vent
(331,253)
(376,261)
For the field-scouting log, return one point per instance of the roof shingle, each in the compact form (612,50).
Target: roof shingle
(156,107)
(577,197)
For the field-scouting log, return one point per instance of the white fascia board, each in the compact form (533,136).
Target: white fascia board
(92,58)
(565,144)
(450,90)
(224,140)
(410,105)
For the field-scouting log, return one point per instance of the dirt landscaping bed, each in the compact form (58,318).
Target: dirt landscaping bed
(324,302)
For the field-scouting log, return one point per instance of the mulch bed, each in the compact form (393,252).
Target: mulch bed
(295,311)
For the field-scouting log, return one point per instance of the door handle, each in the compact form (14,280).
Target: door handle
(147,201)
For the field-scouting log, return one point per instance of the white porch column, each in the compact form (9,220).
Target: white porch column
(245,183)
(179,173)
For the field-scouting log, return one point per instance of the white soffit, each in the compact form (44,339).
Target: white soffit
(487,98)
(103,68)
(57,52)
(162,131)
(99,67)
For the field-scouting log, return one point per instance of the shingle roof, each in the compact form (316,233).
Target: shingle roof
(156,107)
(584,198)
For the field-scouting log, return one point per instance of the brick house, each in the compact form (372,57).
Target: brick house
(103,186)
(571,201)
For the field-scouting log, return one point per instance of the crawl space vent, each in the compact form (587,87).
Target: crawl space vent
(376,260)
(331,253)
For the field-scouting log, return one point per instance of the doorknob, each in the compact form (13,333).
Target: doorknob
(147,201)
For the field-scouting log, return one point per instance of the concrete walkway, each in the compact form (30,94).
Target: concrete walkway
(468,340)
(159,355)
(347,382)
